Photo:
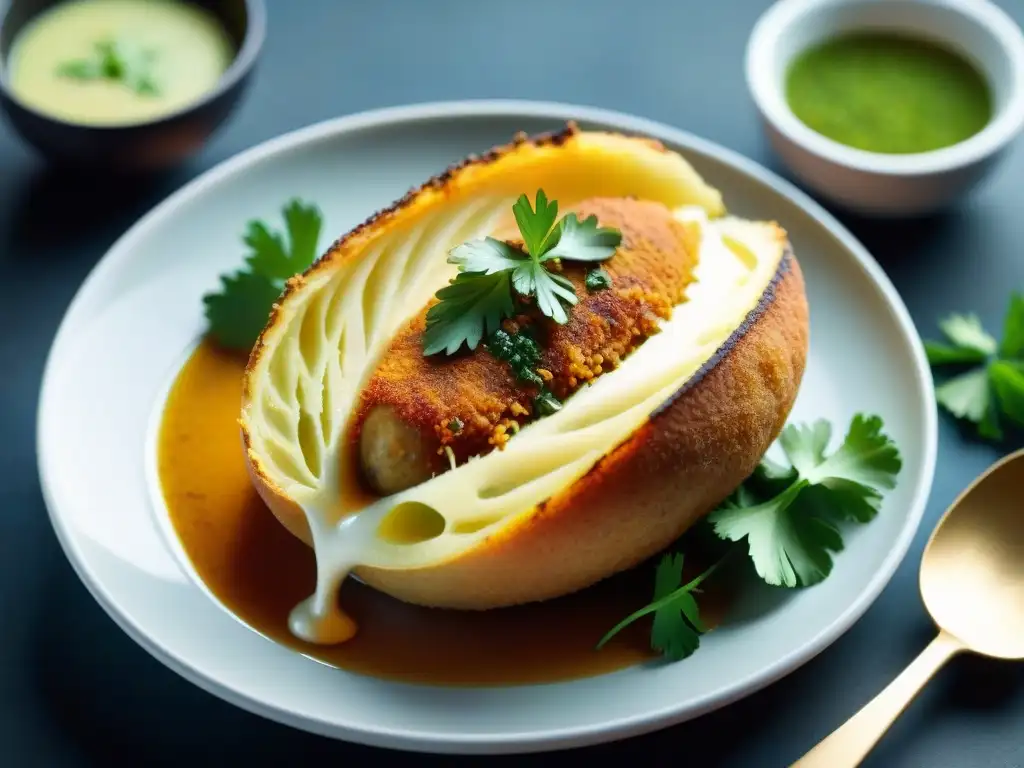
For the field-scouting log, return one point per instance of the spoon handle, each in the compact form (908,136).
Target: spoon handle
(849,744)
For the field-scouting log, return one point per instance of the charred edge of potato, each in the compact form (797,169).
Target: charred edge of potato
(763,304)
(751,319)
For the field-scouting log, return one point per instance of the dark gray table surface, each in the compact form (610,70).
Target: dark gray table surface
(74,690)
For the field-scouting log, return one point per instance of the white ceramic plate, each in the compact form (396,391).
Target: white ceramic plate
(139,313)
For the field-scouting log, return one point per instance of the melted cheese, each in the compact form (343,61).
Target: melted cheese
(317,371)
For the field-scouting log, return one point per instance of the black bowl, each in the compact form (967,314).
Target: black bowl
(153,145)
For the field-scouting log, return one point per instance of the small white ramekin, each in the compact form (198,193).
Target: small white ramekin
(872,183)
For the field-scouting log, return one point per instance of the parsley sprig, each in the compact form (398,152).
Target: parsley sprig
(789,514)
(119,61)
(494,274)
(237,313)
(677,625)
(789,517)
(991,390)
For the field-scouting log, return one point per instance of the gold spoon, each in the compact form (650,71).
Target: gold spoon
(972,582)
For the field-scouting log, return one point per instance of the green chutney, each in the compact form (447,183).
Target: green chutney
(887,93)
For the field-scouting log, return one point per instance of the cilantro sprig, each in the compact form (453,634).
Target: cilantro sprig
(494,274)
(118,61)
(677,625)
(237,313)
(789,515)
(990,391)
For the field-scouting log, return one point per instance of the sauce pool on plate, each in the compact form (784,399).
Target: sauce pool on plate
(259,572)
(117,62)
(887,93)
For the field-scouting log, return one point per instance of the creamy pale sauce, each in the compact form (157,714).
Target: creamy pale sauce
(259,571)
(179,48)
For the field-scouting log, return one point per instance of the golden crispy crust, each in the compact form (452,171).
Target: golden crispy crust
(642,496)
(693,451)
(421,199)
(650,273)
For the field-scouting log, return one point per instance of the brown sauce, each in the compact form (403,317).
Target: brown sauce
(260,572)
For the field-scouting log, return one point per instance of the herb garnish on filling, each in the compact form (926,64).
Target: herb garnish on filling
(522,354)
(598,280)
(493,275)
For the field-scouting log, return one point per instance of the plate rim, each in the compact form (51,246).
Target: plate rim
(502,743)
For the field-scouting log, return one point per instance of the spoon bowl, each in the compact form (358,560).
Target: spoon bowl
(972,573)
(972,583)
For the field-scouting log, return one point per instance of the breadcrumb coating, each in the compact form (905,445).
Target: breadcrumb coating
(472,402)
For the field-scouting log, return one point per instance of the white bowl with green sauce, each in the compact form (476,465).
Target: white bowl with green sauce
(888,107)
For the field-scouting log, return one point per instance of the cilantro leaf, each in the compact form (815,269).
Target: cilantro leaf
(966,332)
(598,280)
(990,427)
(524,269)
(789,518)
(787,546)
(144,85)
(671,632)
(677,625)
(770,473)
(554,292)
(804,445)
(948,354)
(472,306)
(531,277)
(865,461)
(583,240)
(81,69)
(237,313)
(116,60)
(303,223)
(991,392)
(487,255)
(535,224)
(1007,379)
(269,254)
(969,396)
(1012,344)
(866,455)
(966,396)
